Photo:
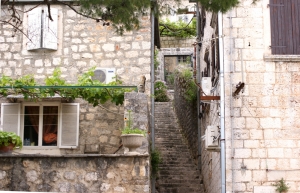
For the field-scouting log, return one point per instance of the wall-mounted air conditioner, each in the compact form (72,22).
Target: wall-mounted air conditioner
(212,138)
(206,85)
(105,75)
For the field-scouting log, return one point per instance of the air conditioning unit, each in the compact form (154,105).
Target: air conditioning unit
(105,75)
(212,137)
(206,85)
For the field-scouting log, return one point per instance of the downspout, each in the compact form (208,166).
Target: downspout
(152,91)
(197,57)
(222,102)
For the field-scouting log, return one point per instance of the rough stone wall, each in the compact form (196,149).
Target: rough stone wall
(210,160)
(187,117)
(265,136)
(160,71)
(81,174)
(261,127)
(137,103)
(83,43)
(99,126)
(173,42)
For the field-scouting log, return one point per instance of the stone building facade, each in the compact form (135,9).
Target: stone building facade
(261,117)
(82,44)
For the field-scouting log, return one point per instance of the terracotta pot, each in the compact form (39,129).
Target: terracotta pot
(7,149)
(132,141)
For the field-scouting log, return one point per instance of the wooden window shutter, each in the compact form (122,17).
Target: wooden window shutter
(69,124)
(34,29)
(50,38)
(284,16)
(295,6)
(10,117)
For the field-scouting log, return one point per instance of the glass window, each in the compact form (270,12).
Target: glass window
(40,125)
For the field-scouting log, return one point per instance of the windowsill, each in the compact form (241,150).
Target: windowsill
(282,58)
(73,155)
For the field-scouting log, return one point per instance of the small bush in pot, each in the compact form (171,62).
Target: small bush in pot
(10,139)
(128,128)
(132,138)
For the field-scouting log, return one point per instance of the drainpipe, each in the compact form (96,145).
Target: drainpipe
(222,103)
(152,91)
(197,58)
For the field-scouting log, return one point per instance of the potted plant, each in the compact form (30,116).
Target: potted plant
(132,138)
(9,141)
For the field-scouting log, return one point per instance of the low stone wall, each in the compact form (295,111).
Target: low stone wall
(75,174)
(174,42)
(187,116)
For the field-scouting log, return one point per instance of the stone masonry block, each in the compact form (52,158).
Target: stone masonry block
(252,164)
(259,175)
(275,152)
(243,176)
(242,153)
(270,122)
(269,78)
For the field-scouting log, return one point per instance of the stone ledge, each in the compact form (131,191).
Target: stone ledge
(73,155)
(282,58)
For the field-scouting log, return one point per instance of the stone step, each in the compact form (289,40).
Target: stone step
(177,172)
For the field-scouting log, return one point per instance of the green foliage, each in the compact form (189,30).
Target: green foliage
(128,128)
(124,15)
(281,186)
(160,92)
(178,29)
(219,5)
(155,161)
(185,78)
(7,138)
(94,96)
(171,78)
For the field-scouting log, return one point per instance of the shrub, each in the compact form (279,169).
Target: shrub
(160,92)
(185,79)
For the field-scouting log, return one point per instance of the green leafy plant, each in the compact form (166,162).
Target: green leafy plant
(171,78)
(218,5)
(27,86)
(6,138)
(155,161)
(178,29)
(160,92)
(128,127)
(185,78)
(124,15)
(281,186)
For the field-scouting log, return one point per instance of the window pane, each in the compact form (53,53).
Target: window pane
(50,125)
(31,126)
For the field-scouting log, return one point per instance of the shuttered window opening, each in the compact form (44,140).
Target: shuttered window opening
(285,18)
(42,32)
(40,125)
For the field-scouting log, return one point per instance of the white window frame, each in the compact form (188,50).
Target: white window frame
(67,123)
(41,105)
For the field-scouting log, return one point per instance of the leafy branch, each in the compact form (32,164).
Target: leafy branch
(178,29)
(86,88)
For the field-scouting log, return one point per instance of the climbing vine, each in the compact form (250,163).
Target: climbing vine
(178,29)
(28,87)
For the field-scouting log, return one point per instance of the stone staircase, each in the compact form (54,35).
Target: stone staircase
(177,172)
